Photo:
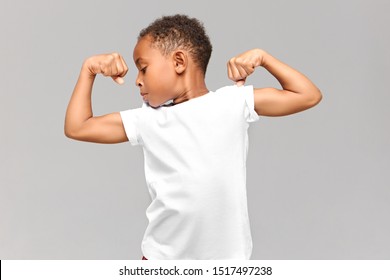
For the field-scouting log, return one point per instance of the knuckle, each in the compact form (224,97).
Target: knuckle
(240,60)
(110,58)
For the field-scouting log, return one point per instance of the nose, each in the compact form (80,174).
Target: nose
(138,81)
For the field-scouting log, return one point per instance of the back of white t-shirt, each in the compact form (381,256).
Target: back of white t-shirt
(195,168)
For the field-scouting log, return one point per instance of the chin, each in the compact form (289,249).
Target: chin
(154,106)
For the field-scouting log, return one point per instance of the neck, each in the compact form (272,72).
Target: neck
(194,86)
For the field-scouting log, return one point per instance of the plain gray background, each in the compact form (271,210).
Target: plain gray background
(318,181)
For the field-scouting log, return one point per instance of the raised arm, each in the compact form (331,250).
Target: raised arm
(80,124)
(298,92)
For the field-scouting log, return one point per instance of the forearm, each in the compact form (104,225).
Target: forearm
(80,105)
(289,78)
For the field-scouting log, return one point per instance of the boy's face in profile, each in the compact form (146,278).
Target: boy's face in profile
(157,78)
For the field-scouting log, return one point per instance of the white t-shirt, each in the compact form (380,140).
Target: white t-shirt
(195,168)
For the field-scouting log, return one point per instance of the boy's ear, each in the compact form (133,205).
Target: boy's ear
(180,61)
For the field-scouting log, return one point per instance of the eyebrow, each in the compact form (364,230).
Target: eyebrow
(137,62)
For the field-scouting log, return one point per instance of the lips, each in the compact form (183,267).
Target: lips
(143,95)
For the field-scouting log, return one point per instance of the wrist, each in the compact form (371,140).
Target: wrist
(262,57)
(86,68)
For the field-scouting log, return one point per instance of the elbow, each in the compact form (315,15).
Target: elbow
(315,98)
(68,133)
(76,131)
(68,130)
(73,130)
(318,97)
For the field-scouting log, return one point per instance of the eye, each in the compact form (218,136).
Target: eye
(143,70)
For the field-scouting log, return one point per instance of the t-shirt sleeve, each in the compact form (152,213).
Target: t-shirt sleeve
(250,113)
(130,120)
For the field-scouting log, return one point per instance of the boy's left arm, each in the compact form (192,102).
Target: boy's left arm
(298,92)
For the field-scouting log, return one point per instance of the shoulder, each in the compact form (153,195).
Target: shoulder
(234,89)
(137,111)
(242,98)
(134,115)
(237,93)
(128,112)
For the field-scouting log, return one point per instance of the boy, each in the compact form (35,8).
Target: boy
(194,140)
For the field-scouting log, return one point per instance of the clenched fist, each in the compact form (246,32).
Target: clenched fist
(109,65)
(241,66)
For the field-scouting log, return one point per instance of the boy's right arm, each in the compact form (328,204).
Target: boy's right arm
(298,92)
(80,124)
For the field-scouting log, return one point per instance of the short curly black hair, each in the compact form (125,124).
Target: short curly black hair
(170,33)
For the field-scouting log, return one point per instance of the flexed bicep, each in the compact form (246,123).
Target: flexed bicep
(274,102)
(105,129)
